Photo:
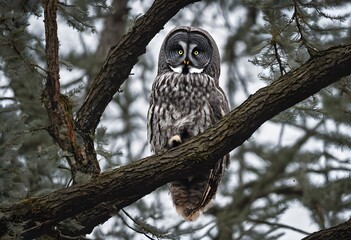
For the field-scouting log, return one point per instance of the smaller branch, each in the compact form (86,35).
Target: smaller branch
(52,46)
(310,49)
(65,237)
(134,229)
(8,99)
(277,56)
(145,228)
(280,225)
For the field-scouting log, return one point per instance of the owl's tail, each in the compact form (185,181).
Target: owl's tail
(194,195)
(194,214)
(190,196)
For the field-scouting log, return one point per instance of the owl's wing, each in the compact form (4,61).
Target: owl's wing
(150,114)
(152,120)
(220,107)
(219,104)
(156,134)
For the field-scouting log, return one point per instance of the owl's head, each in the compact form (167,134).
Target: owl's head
(189,50)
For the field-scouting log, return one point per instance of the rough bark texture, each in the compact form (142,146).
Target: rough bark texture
(127,184)
(339,232)
(61,124)
(115,27)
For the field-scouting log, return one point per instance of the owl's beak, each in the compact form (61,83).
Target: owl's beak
(186,67)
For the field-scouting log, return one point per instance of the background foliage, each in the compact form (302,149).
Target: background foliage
(298,160)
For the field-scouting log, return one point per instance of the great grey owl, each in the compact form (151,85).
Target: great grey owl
(185,100)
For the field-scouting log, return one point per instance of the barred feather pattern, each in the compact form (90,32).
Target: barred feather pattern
(182,106)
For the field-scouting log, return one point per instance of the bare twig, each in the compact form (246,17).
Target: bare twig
(134,229)
(280,225)
(277,56)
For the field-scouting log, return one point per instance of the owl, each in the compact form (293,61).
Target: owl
(185,100)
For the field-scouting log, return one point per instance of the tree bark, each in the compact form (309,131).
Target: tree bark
(129,183)
(339,232)
(61,124)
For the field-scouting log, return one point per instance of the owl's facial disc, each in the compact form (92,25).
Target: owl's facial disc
(187,59)
(188,52)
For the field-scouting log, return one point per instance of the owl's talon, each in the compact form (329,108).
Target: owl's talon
(174,141)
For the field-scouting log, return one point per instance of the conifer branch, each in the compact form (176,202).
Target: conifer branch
(296,15)
(277,56)
(127,184)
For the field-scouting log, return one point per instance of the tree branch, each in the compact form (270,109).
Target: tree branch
(129,183)
(339,232)
(279,225)
(58,106)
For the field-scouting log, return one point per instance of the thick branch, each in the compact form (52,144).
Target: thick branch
(339,232)
(121,60)
(59,107)
(127,184)
(52,46)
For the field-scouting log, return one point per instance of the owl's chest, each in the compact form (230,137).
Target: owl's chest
(184,101)
(185,93)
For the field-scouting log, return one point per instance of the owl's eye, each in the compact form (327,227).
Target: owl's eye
(196,52)
(180,52)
